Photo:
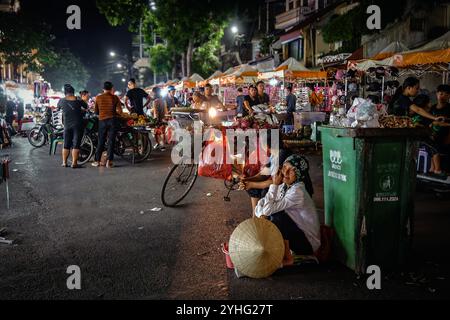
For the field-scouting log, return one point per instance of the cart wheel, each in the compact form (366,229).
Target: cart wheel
(134,147)
(178,183)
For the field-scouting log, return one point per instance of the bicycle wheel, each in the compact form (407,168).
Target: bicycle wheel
(178,183)
(37,137)
(133,147)
(142,147)
(86,150)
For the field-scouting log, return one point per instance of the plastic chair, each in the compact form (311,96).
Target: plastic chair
(55,138)
(423,154)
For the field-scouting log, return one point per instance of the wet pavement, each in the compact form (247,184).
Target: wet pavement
(100,220)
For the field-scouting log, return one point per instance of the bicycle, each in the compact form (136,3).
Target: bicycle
(132,145)
(183,175)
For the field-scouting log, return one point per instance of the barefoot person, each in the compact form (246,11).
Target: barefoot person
(73,125)
(289,206)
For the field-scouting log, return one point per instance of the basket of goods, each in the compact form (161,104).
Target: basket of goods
(392,121)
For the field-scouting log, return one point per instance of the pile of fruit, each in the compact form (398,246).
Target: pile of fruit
(134,120)
(396,122)
(251,122)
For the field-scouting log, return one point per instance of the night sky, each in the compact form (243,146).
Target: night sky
(92,43)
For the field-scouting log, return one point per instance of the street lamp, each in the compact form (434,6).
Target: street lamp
(234,29)
(112,54)
(124,80)
(119,65)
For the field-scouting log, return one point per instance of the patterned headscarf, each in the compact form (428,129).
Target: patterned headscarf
(301,167)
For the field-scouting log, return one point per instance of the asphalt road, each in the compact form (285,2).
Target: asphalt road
(99,219)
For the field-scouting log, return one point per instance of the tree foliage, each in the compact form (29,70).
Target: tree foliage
(66,69)
(206,56)
(124,12)
(266,42)
(160,59)
(186,26)
(23,41)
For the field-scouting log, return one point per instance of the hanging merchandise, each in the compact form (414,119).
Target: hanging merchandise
(303,99)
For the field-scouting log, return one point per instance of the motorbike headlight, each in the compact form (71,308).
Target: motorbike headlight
(212,112)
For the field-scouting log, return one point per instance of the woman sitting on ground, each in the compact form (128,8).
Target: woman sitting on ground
(288,205)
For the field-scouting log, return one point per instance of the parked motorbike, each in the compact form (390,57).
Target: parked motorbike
(38,136)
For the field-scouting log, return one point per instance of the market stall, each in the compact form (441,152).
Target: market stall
(234,78)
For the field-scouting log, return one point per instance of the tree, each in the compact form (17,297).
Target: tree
(23,41)
(66,69)
(205,57)
(160,59)
(186,26)
(124,12)
(266,42)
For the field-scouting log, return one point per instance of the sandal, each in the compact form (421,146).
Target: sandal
(77,166)
(64,165)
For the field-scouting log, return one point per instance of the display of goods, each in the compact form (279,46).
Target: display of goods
(396,122)
(316,99)
(256,122)
(190,110)
(134,120)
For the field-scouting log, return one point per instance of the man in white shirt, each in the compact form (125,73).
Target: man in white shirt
(289,206)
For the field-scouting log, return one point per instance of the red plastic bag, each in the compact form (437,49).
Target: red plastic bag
(212,162)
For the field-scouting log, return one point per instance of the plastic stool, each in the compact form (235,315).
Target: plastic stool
(54,140)
(423,154)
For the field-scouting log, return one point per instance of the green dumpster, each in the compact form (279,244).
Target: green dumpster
(369,183)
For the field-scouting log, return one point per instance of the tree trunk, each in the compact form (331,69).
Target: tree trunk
(190,49)
(174,67)
(183,64)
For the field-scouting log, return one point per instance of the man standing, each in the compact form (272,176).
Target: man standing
(171,101)
(250,100)
(135,96)
(240,102)
(211,99)
(291,101)
(73,125)
(108,108)
(263,97)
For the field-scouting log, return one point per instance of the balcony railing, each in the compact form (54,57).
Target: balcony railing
(292,17)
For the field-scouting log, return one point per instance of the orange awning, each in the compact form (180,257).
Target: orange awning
(427,57)
(307,74)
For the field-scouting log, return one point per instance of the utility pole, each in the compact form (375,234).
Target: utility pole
(154,43)
(140,40)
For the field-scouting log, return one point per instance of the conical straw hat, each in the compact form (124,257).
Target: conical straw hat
(256,248)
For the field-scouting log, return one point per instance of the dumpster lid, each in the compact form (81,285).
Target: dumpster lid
(378,132)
